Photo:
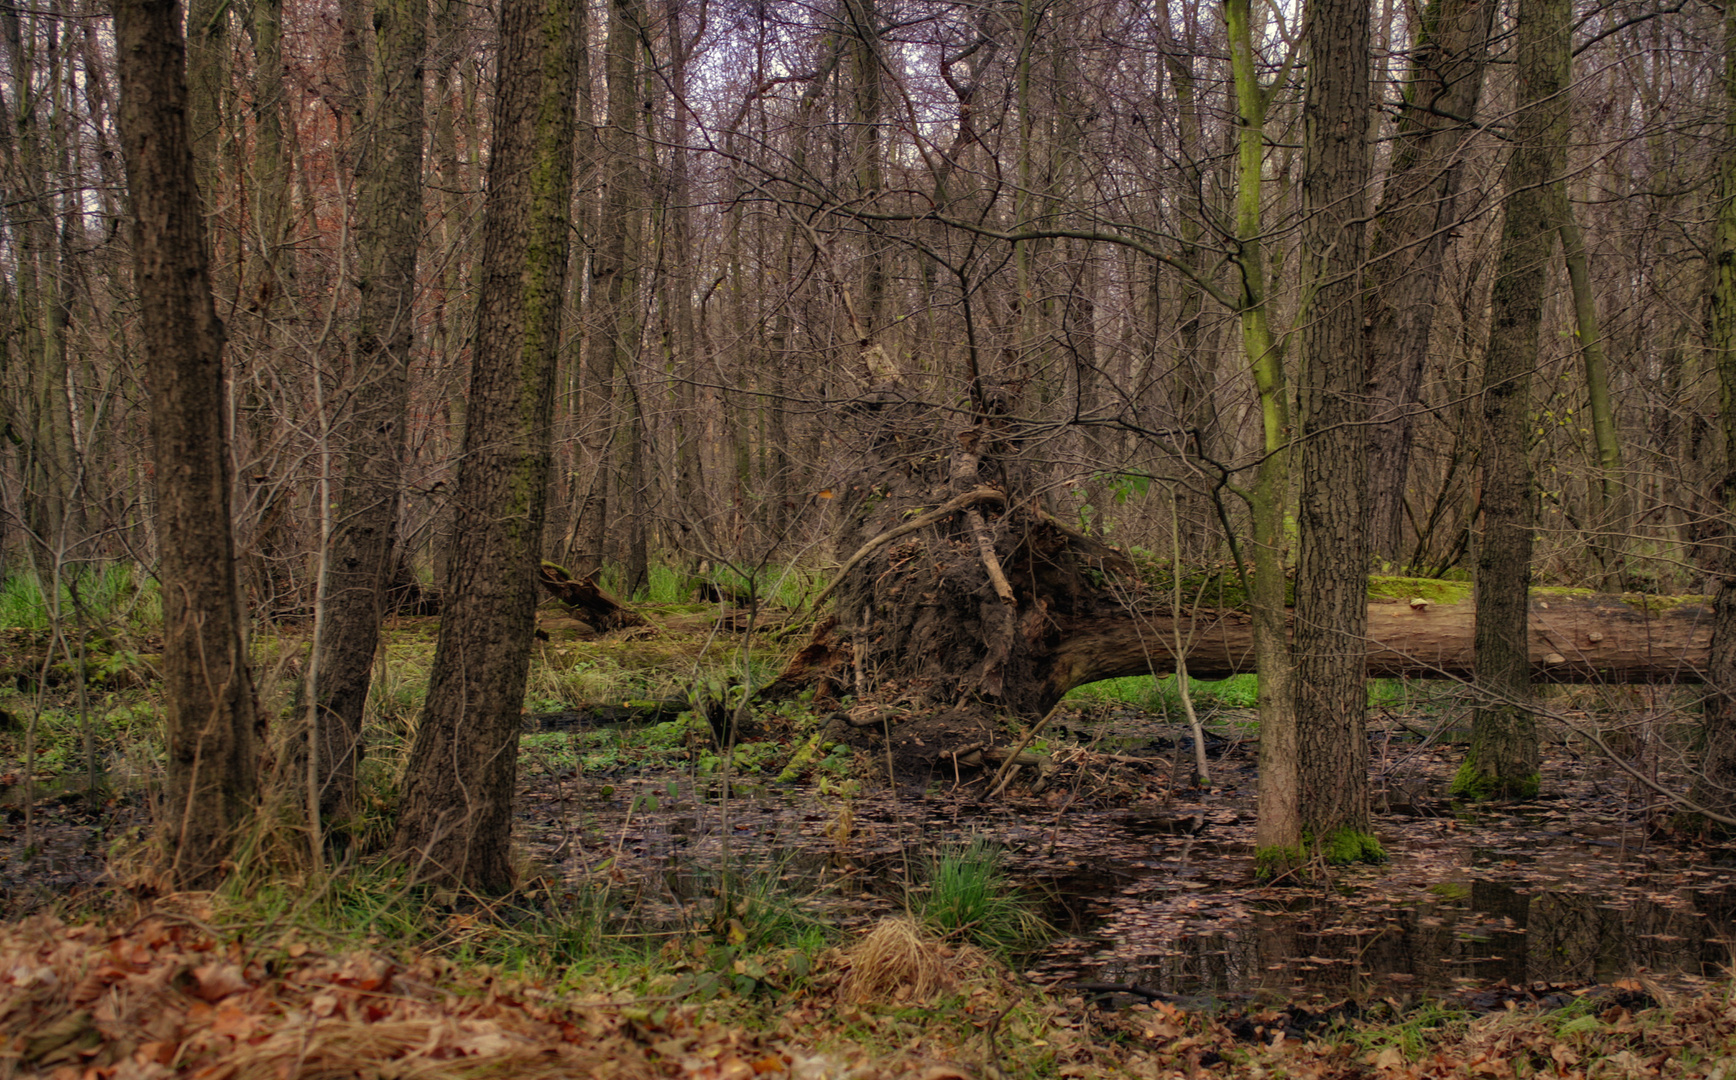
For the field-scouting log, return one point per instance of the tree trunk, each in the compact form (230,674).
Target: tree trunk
(456,820)
(359,562)
(1280,824)
(1418,213)
(1503,759)
(212,725)
(1126,627)
(1331,533)
(1715,782)
(612,346)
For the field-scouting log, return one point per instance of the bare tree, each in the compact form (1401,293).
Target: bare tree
(213,728)
(455,820)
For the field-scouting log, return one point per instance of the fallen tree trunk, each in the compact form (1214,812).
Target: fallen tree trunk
(586,599)
(965,596)
(1575,637)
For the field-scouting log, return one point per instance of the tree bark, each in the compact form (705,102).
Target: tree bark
(456,820)
(1417,215)
(1503,759)
(1280,823)
(612,346)
(212,724)
(1331,532)
(359,562)
(1715,781)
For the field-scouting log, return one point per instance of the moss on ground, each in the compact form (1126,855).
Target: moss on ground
(1345,846)
(1472,784)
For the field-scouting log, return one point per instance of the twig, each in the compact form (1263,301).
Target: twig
(1005,774)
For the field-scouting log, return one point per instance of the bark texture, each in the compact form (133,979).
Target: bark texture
(1715,783)
(1417,214)
(1332,549)
(212,722)
(455,823)
(1117,623)
(1503,759)
(359,561)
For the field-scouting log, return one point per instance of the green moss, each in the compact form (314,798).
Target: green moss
(1434,590)
(1474,785)
(1278,861)
(1451,890)
(1345,846)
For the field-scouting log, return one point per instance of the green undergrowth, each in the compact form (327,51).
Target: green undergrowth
(968,897)
(1163,695)
(112,596)
(668,584)
(743,934)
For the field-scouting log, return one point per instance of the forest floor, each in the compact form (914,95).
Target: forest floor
(687,912)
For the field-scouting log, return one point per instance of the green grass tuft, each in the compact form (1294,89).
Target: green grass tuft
(969,897)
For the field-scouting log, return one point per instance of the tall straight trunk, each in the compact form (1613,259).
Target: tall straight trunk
(1608,493)
(456,821)
(1503,758)
(866,82)
(211,724)
(274,269)
(1714,786)
(358,563)
(1417,214)
(1332,549)
(36,130)
(1279,830)
(1196,382)
(207,78)
(611,347)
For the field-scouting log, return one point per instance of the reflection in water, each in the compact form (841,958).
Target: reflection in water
(1455,934)
(1142,899)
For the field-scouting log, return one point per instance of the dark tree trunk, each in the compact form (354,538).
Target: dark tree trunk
(1503,759)
(212,723)
(456,820)
(1715,782)
(612,346)
(359,562)
(1407,256)
(1332,550)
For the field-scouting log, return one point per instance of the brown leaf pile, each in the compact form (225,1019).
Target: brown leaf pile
(164,998)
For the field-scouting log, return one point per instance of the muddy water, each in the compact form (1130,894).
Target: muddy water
(1162,895)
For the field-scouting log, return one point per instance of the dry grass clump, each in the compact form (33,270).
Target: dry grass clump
(900,960)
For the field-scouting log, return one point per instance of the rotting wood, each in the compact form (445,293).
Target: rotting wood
(586,598)
(1574,638)
(626,712)
(991,563)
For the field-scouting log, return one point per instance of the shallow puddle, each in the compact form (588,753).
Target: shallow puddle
(1162,896)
